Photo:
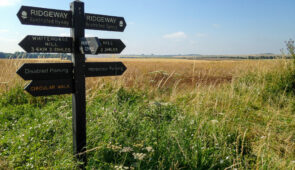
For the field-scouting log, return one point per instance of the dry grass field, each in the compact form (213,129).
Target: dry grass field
(178,74)
(225,114)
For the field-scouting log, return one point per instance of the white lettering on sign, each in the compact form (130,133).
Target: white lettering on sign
(98,69)
(109,43)
(112,50)
(46,38)
(50,14)
(46,71)
(50,44)
(94,18)
(57,70)
(35,71)
(116,68)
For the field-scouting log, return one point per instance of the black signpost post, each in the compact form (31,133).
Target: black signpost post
(65,78)
(78,98)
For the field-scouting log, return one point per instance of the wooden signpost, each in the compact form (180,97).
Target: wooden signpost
(65,78)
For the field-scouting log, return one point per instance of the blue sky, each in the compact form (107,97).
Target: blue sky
(172,26)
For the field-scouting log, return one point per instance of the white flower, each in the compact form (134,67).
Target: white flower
(149,149)
(139,156)
(121,167)
(126,149)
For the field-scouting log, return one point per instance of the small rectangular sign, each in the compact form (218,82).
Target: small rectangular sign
(89,45)
(46,71)
(104,22)
(50,87)
(97,69)
(43,16)
(46,44)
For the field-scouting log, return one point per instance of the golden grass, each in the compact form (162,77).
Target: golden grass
(179,74)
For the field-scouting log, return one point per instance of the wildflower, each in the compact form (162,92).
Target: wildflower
(139,156)
(121,167)
(149,149)
(138,145)
(114,147)
(126,149)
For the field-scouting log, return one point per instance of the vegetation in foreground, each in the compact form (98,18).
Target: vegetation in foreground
(245,124)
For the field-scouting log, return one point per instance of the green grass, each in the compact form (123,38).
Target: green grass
(246,124)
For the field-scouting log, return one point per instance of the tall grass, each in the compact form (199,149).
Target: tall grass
(162,115)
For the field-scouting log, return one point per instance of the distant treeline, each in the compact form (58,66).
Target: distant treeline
(189,57)
(262,57)
(34,55)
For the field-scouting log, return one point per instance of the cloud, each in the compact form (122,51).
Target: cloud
(4,30)
(131,23)
(8,39)
(4,3)
(200,35)
(192,42)
(216,25)
(64,34)
(176,35)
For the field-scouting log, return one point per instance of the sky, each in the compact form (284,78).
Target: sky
(163,27)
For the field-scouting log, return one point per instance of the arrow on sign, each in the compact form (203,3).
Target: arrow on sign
(97,69)
(46,71)
(104,22)
(46,44)
(89,45)
(52,87)
(43,16)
